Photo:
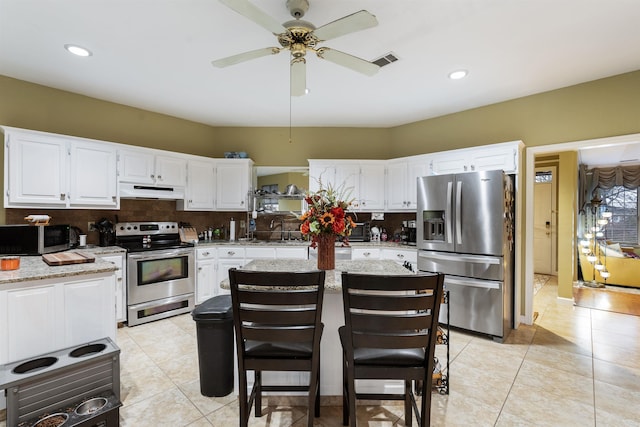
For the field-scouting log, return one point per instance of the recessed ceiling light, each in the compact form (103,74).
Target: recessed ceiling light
(458,74)
(77,50)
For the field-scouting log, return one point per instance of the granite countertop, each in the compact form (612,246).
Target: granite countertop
(34,268)
(333,278)
(285,243)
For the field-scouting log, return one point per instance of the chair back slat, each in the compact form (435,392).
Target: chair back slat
(251,294)
(281,335)
(397,341)
(390,302)
(387,323)
(288,317)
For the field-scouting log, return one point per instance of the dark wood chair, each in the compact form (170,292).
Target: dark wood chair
(390,332)
(277,321)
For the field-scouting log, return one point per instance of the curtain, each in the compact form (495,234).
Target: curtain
(589,180)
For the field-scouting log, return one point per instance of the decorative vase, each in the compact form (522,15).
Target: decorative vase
(326,251)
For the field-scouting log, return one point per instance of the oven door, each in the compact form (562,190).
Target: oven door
(159,274)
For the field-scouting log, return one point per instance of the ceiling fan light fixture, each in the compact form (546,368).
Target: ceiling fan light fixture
(458,74)
(78,50)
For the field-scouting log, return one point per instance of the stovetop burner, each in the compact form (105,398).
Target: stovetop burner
(149,236)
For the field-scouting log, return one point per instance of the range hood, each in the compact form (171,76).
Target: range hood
(141,191)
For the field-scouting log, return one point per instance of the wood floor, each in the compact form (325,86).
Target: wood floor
(610,298)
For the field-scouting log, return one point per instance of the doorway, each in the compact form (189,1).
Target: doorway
(544,221)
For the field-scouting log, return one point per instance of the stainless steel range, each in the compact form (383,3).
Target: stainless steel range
(161,270)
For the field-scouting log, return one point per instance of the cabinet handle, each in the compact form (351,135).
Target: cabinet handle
(400,256)
(152,176)
(205,253)
(231,253)
(367,253)
(159,176)
(62,196)
(199,268)
(473,167)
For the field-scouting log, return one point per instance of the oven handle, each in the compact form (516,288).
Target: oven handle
(160,254)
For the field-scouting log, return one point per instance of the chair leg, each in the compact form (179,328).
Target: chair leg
(345,393)
(258,388)
(351,395)
(408,410)
(425,413)
(317,405)
(242,398)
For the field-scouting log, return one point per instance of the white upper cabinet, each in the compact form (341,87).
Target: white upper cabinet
(43,170)
(503,156)
(401,178)
(93,175)
(201,186)
(234,180)
(146,166)
(361,180)
(35,170)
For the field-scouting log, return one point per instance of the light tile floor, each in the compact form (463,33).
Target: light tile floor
(574,367)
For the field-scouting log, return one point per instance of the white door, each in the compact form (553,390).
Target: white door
(544,222)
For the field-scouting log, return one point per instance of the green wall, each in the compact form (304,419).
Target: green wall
(601,108)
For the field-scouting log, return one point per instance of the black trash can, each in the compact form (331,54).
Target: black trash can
(214,325)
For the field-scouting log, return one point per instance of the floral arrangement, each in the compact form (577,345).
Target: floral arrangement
(327,214)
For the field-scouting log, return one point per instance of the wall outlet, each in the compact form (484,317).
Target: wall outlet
(91,226)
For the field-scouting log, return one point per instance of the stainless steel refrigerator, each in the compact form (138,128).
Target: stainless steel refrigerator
(465,229)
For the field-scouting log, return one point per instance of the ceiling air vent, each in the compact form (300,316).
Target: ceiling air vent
(386,59)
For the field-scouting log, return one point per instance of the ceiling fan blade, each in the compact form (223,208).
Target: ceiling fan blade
(348,24)
(247,9)
(246,56)
(298,77)
(349,61)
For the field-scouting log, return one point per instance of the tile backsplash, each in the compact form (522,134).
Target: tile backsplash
(165,210)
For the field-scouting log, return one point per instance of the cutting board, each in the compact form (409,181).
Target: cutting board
(66,258)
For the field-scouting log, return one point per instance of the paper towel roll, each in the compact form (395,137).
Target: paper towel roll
(232,230)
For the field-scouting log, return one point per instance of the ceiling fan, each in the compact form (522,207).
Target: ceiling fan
(300,36)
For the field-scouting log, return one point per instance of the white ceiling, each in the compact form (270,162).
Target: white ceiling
(156,55)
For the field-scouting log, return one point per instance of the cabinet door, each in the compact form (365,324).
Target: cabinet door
(36,168)
(224,265)
(93,177)
(396,186)
(372,187)
(205,279)
(32,322)
(321,172)
(121,286)
(502,158)
(89,310)
(415,169)
(454,161)
(232,185)
(292,253)
(365,253)
(347,182)
(171,171)
(201,185)
(137,166)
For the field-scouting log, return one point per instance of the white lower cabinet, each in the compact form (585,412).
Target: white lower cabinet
(401,256)
(365,253)
(228,257)
(48,315)
(205,274)
(298,252)
(121,285)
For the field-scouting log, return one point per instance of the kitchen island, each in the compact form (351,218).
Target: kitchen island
(333,318)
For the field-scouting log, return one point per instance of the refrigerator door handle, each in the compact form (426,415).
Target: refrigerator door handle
(471,282)
(448,213)
(458,212)
(461,258)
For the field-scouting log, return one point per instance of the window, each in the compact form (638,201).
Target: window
(623,205)
(543,177)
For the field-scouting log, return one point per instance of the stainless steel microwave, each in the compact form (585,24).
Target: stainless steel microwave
(362,232)
(33,239)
